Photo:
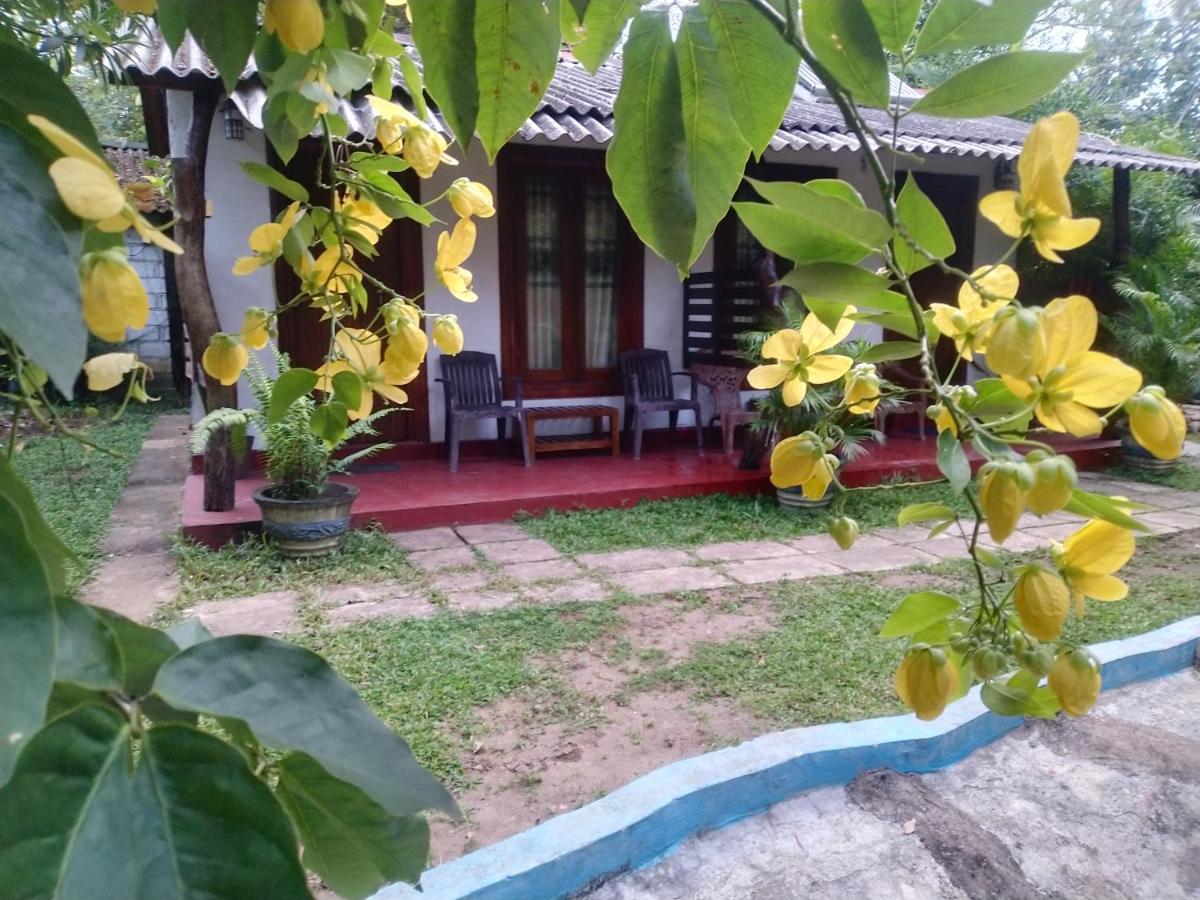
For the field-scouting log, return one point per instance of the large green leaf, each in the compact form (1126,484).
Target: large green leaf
(797,237)
(602,26)
(999,85)
(647,151)
(292,700)
(53,552)
(226,32)
(952,461)
(444,32)
(917,611)
(516,52)
(758,68)
(1097,506)
(353,843)
(40,304)
(88,653)
(832,206)
(894,21)
(27,637)
(842,36)
(961,24)
(289,387)
(924,227)
(714,156)
(143,650)
(276,180)
(27,85)
(889,351)
(837,281)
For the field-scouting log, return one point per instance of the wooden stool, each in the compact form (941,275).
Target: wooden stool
(549,443)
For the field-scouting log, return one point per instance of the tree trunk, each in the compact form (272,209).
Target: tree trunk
(1122,233)
(195,295)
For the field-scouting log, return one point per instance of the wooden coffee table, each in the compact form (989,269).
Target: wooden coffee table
(597,439)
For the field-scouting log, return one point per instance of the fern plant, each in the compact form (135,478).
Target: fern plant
(299,463)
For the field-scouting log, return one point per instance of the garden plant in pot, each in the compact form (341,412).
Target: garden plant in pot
(304,512)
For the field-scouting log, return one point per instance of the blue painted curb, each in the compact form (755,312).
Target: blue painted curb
(637,824)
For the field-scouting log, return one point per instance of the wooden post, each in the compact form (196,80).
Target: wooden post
(1122,235)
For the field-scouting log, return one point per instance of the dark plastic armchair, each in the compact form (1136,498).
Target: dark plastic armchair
(472,391)
(649,388)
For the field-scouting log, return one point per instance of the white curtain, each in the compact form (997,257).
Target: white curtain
(543,288)
(600,276)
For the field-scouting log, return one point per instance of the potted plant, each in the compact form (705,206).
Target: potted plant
(304,512)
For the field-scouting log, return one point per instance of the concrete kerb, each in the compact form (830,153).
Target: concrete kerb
(644,820)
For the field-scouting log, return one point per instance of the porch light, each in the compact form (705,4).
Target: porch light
(235,128)
(1004,177)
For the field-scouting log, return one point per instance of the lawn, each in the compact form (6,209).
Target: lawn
(76,486)
(1185,476)
(693,521)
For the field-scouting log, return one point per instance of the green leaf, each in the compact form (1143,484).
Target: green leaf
(283,134)
(1003,699)
(329,422)
(834,205)
(348,389)
(353,843)
(902,324)
(837,281)
(999,85)
(143,650)
(42,538)
(188,633)
(962,24)
(27,638)
(289,387)
(603,24)
(918,611)
(413,82)
(1042,704)
(292,700)
(887,351)
(27,85)
(714,158)
(757,67)
(225,32)
(924,226)
(275,180)
(989,558)
(894,21)
(952,461)
(924,512)
(842,36)
(40,304)
(1096,506)
(828,312)
(516,52)
(88,654)
(444,34)
(796,236)
(172,23)
(347,71)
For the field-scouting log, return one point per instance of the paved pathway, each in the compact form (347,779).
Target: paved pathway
(1102,807)
(484,567)
(139,574)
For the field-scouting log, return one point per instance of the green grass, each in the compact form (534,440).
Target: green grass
(426,678)
(77,487)
(694,521)
(1184,477)
(252,567)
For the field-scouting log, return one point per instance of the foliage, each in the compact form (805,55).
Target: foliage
(116,109)
(1158,330)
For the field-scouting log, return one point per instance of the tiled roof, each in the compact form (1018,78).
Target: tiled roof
(130,164)
(578,108)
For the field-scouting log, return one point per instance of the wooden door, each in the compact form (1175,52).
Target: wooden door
(305,338)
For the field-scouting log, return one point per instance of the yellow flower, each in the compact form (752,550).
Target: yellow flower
(330,272)
(1042,600)
(106,371)
(1002,489)
(400,132)
(361,352)
(300,24)
(113,297)
(968,323)
(448,335)
(943,419)
(470,198)
(1016,342)
(862,390)
(452,251)
(266,242)
(800,360)
(1042,209)
(145,7)
(1157,423)
(407,341)
(1075,681)
(925,681)
(802,460)
(365,219)
(1088,559)
(225,358)
(1054,479)
(256,327)
(1071,380)
(89,188)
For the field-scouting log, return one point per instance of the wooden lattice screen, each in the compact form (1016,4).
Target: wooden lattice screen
(717,307)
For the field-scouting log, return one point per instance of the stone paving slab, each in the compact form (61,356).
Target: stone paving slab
(487,534)
(1177,520)
(523,551)
(542,570)
(942,549)
(824,543)
(732,551)
(477,601)
(670,580)
(580,590)
(411,606)
(913,534)
(271,614)
(134,586)
(781,568)
(426,539)
(635,560)
(878,559)
(454,582)
(1053,532)
(445,558)
(346,594)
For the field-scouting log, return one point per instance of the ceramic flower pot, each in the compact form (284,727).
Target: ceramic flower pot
(311,527)
(1136,456)
(793,498)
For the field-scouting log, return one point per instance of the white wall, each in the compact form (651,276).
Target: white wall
(239,205)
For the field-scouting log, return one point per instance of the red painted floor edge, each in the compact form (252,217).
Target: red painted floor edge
(490,490)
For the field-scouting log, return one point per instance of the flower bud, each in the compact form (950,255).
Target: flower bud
(844,530)
(1054,479)
(1156,423)
(470,198)
(862,389)
(255,330)
(1002,491)
(1042,600)
(448,335)
(987,662)
(299,24)
(1075,681)
(1016,343)
(225,358)
(423,148)
(924,682)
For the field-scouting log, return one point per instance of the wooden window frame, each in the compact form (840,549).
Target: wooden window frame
(574,379)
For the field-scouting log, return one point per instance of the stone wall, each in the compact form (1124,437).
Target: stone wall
(153,343)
